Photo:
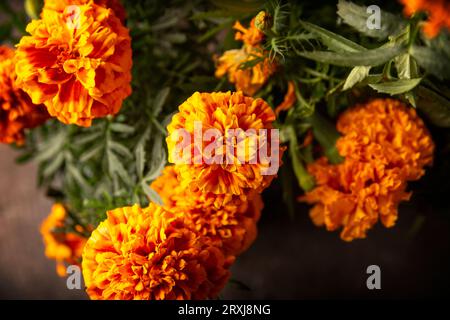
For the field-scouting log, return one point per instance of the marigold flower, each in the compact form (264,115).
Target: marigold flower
(17,112)
(64,247)
(250,79)
(151,254)
(229,220)
(289,99)
(223,112)
(251,36)
(385,144)
(77,63)
(438,14)
(61,5)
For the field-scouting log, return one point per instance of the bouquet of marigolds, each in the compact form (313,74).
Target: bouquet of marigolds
(157,125)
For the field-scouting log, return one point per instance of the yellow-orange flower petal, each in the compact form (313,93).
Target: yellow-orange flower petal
(438,14)
(64,247)
(289,99)
(150,254)
(229,220)
(17,112)
(77,63)
(248,80)
(222,112)
(385,144)
(251,36)
(61,5)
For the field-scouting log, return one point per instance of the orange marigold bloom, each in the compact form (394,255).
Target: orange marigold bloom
(438,14)
(61,5)
(151,254)
(251,36)
(17,112)
(248,80)
(64,247)
(385,144)
(222,112)
(251,79)
(289,99)
(78,63)
(229,220)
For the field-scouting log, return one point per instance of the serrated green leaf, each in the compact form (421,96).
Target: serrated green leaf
(116,167)
(51,147)
(406,66)
(78,177)
(332,40)
(53,165)
(432,61)
(121,128)
(435,106)
(357,74)
(151,194)
(396,87)
(157,161)
(140,160)
(90,153)
(357,16)
(87,138)
(120,149)
(160,100)
(372,57)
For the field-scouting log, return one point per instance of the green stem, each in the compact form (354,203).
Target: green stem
(305,180)
(327,135)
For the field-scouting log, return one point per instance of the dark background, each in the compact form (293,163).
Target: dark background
(291,258)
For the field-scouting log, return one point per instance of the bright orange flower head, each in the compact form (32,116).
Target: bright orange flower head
(61,5)
(151,254)
(250,79)
(238,127)
(78,63)
(385,144)
(64,247)
(251,36)
(229,220)
(17,112)
(438,14)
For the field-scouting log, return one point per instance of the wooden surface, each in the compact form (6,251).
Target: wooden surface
(25,273)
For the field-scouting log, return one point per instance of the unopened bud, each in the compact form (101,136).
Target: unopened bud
(263,21)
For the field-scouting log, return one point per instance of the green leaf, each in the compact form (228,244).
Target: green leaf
(160,100)
(54,165)
(432,61)
(121,128)
(406,66)
(396,87)
(90,153)
(120,149)
(332,40)
(78,177)
(357,17)
(116,167)
(51,147)
(140,160)
(356,75)
(372,57)
(151,194)
(157,161)
(435,106)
